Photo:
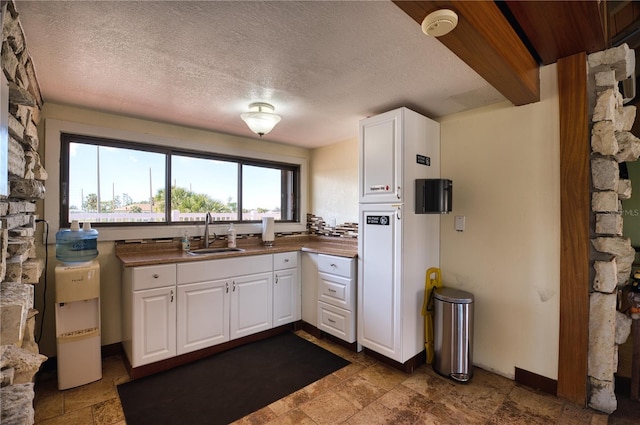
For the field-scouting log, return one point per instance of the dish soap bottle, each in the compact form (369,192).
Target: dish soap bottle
(231,237)
(185,242)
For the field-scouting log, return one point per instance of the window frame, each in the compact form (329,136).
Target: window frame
(295,182)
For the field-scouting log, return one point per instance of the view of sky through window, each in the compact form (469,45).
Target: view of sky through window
(123,173)
(132,177)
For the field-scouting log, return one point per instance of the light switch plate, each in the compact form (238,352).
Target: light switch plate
(459,223)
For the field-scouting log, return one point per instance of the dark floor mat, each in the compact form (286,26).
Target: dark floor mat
(228,385)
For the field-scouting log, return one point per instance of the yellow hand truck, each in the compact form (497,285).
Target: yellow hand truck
(430,285)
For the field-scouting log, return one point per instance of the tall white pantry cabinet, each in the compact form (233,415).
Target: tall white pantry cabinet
(395,245)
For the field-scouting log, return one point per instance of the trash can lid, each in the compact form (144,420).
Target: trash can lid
(452,295)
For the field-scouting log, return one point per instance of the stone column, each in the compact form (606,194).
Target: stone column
(613,255)
(20,268)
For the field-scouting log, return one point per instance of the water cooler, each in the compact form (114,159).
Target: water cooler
(77,306)
(78,324)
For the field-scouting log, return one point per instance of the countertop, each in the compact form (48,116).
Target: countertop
(148,253)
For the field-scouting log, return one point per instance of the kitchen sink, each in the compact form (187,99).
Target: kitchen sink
(202,251)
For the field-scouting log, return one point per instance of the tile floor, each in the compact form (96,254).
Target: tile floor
(365,392)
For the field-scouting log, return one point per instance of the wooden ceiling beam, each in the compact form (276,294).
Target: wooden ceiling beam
(486,42)
(559,29)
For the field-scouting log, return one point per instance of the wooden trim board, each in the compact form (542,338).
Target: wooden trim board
(575,209)
(537,382)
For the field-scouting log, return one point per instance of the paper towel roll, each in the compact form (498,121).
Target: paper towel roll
(267,230)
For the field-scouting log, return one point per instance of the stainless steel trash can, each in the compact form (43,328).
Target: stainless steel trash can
(453,333)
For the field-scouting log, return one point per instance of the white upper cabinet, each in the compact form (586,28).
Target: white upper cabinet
(380,158)
(396,148)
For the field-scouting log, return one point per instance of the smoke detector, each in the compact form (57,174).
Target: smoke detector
(440,22)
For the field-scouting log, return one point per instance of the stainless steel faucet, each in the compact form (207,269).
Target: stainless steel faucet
(207,220)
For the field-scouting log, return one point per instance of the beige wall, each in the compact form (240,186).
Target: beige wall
(504,163)
(334,182)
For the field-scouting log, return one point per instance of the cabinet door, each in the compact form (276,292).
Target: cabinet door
(379,277)
(154,325)
(203,315)
(251,304)
(381,158)
(286,305)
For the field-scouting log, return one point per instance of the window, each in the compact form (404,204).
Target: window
(110,182)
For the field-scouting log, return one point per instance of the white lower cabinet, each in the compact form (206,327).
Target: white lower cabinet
(155,323)
(203,315)
(286,288)
(174,309)
(237,299)
(337,296)
(251,304)
(336,321)
(149,316)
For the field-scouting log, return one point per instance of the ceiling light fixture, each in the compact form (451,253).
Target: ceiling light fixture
(260,118)
(439,22)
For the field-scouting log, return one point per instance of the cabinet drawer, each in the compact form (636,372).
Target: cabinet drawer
(285,260)
(336,290)
(148,277)
(341,266)
(337,321)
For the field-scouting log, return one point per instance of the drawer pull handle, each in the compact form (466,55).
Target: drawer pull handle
(331,321)
(156,275)
(332,290)
(276,279)
(172,295)
(226,287)
(234,286)
(286,260)
(333,265)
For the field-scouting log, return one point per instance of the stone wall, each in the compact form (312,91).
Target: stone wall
(20,268)
(611,144)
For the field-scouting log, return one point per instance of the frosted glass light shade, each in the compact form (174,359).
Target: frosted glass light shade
(260,118)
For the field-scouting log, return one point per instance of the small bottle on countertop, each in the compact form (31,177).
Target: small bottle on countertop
(231,237)
(185,242)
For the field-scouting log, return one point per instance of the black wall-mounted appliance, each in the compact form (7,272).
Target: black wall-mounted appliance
(434,196)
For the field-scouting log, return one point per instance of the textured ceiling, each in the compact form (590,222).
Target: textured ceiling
(324,65)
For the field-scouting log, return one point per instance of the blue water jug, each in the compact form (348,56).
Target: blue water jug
(77,245)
